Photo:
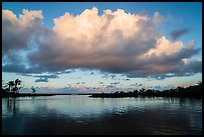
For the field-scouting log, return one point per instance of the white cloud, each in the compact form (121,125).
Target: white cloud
(165,46)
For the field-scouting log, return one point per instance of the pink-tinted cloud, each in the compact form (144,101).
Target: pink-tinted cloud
(115,42)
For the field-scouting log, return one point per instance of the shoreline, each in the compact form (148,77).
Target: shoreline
(107,95)
(31,95)
(98,95)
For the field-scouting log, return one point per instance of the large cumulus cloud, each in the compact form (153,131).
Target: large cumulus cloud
(17,31)
(115,42)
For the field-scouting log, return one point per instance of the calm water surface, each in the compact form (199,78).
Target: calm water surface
(80,114)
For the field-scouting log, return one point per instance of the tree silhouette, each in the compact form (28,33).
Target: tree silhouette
(11,84)
(33,89)
(17,82)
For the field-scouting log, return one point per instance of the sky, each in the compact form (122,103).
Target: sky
(73,47)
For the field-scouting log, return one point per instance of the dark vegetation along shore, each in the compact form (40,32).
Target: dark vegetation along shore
(11,89)
(190,92)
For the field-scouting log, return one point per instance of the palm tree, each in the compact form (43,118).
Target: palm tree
(33,89)
(17,82)
(10,84)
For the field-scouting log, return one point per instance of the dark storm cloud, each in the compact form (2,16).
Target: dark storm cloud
(178,33)
(186,70)
(17,68)
(20,68)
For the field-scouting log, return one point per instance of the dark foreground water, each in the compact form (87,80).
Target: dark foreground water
(80,114)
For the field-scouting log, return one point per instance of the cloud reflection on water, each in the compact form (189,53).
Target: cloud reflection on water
(83,115)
